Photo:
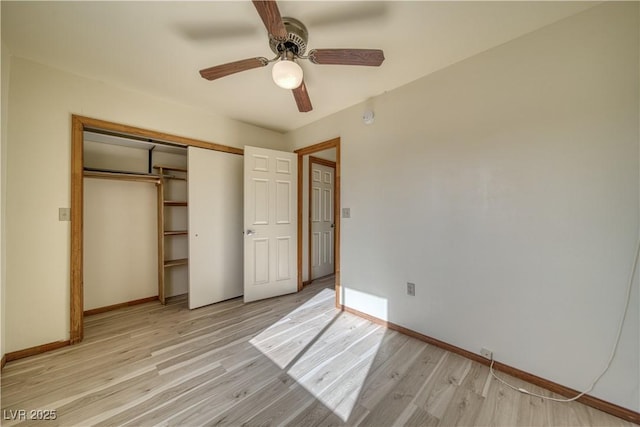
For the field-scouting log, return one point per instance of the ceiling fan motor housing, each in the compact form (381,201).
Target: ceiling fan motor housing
(296,41)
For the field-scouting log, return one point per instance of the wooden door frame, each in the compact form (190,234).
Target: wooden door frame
(330,164)
(301,152)
(78,125)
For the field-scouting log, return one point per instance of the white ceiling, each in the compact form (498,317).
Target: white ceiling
(158,47)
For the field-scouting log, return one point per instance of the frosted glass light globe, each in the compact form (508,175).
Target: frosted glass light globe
(287,74)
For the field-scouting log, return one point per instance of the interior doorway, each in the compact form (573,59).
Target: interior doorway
(304,252)
(321,225)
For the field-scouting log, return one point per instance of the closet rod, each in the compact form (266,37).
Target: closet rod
(122,176)
(120,171)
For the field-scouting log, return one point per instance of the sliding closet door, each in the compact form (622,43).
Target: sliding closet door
(215,226)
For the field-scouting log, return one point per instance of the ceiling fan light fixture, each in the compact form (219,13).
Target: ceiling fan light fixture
(288,40)
(287,74)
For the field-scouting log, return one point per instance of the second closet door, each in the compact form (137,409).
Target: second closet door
(215,226)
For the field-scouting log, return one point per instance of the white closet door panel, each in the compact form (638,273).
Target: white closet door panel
(215,226)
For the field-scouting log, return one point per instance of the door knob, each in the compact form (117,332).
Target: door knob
(251,232)
(333,225)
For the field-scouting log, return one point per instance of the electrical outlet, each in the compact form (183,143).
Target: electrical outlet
(411,289)
(487,354)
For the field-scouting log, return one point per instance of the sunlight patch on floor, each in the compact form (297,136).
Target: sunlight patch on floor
(326,351)
(283,340)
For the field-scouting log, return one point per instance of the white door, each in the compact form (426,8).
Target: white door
(215,226)
(270,223)
(322,223)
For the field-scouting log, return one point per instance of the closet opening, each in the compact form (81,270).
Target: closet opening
(128,216)
(135,221)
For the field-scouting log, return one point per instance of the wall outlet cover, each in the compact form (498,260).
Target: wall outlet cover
(486,353)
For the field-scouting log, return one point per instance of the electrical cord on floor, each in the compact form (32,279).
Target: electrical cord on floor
(613,350)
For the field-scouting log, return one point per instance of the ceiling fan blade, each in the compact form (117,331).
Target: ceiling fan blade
(218,71)
(369,57)
(302,98)
(268,11)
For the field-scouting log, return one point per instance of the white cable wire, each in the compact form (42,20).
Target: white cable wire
(613,350)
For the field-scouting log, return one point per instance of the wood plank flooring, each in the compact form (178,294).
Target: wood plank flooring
(294,360)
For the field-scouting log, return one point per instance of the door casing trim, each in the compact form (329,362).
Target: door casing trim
(301,152)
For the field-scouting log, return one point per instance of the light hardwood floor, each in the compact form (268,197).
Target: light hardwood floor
(294,360)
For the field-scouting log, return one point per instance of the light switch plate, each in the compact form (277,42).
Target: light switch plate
(346,212)
(64,214)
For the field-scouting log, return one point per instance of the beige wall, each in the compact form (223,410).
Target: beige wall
(120,242)
(41,101)
(4,110)
(506,188)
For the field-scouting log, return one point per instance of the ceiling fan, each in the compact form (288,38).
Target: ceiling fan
(288,40)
